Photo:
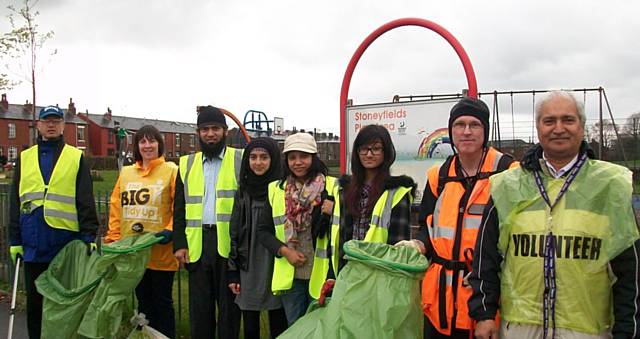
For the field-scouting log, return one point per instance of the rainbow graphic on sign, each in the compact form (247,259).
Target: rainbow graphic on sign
(435,145)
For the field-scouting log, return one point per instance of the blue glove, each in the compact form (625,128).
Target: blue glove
(16,251)
(166,236)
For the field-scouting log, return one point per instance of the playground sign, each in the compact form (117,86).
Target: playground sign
(418,130)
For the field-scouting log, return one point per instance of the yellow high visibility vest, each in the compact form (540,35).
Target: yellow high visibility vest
(592,223)
(226,186)
(59,196)
(380,219)
(283,271)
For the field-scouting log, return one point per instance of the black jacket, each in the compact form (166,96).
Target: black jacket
(179,219)
(485,278)
(240,231)
(400,227)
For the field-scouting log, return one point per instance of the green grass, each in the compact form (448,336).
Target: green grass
(334,171)
(109,178)
(5,177)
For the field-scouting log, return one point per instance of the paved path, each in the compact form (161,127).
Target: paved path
(19,321)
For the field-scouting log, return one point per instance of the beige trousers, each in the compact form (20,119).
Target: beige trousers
(524,331)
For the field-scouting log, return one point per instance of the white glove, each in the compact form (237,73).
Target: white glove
(414,243)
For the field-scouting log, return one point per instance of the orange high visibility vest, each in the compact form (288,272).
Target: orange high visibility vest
(453,227)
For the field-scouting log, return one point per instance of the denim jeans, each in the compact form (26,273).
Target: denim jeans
(296,300)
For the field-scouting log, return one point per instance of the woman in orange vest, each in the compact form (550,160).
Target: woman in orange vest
(141,202)
(450,212)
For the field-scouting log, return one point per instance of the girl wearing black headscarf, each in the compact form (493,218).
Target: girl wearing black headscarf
(250,264)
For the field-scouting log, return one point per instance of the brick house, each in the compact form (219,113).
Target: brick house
(16,129)
(179,138)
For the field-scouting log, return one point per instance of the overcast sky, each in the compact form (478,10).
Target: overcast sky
(162,58)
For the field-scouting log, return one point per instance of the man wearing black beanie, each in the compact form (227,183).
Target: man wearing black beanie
(205,187)
(450,212)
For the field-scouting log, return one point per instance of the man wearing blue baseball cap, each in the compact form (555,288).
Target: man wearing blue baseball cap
(51,203)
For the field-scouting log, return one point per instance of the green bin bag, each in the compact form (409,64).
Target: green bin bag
(67,286)
(85,295)
(376,295)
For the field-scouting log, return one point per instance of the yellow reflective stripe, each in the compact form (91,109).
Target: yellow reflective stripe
(60,214)
(449,277)
(194,223)
(225,193)
(335,220)
(472,223)
(61,198)
(441,232)
(436,210)
(237,162)
(190,159)
(322,253)
(496,161)
(383,220)
(31,196)
(279,220)
(193,199)
(223,217)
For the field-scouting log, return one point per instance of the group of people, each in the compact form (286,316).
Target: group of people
(543,248)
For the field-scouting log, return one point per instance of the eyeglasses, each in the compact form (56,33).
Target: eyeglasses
(461,126)
(375,150)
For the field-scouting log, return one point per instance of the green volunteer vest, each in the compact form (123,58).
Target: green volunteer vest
(226,186)
(59,196)
(283,271)
(380,219)
(591,224)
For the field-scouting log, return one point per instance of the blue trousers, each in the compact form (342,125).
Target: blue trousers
(296,300)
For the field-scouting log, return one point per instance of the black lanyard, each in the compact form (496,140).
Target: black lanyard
(549,297)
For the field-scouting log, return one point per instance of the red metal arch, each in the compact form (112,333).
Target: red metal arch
(346,81)
(240,125)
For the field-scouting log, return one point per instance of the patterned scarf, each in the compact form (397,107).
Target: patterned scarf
(299,202)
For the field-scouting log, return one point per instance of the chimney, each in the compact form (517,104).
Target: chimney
(72,107)
(108,114)
(27,107)
(4,104)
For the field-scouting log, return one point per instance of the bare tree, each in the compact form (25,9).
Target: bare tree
(27,42)
(608,132)
(632,126)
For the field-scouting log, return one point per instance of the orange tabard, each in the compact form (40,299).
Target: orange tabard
(453,227)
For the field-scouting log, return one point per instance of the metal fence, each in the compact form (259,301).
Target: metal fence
(6,267)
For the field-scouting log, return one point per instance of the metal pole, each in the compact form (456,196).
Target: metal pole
(12,311)
(634,128)
(615,129)
(601,127)
(498,120)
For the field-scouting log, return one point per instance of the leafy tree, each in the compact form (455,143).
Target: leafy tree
(26,43)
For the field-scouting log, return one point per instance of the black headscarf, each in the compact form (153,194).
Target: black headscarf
(257,186)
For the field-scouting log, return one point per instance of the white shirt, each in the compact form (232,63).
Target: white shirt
(559,173)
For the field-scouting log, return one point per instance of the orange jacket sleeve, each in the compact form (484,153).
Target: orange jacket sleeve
(115,212)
